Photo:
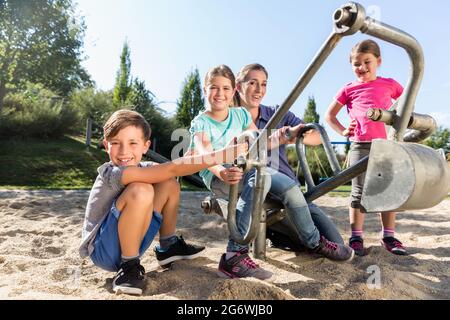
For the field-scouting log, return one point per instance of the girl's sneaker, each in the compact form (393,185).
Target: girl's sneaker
(394,245)
(357,244)
(241,266)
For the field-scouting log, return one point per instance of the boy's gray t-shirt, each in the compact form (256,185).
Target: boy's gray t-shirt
(107,187)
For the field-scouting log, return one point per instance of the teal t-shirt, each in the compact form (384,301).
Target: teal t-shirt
(219,133)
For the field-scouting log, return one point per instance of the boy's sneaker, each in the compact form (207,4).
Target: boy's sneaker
(334,251)
(357,244)
(241,266)
(130,278)
(180,250)
(394,245)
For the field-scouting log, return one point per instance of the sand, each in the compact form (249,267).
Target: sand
(40,233)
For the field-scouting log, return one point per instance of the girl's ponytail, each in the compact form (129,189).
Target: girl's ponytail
(236,100)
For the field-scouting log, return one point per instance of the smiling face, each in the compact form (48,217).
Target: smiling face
(253,89)
(127,146)
(219,93)
(365,66)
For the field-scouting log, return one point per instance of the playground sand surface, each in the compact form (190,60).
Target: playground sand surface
(40,232)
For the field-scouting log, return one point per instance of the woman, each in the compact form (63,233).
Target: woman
(311,224)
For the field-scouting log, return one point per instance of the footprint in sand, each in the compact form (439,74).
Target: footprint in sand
(17,205)
(43,249)
(35,214)
(51,233)
(66,273)
(47,252)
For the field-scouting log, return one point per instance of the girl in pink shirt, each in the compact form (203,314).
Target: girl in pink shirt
(368,91)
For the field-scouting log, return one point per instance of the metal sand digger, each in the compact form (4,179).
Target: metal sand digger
(400,174)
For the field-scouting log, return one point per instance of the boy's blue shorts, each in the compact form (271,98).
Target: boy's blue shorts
(107,252)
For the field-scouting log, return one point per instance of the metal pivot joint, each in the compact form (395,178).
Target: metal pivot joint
(349,19)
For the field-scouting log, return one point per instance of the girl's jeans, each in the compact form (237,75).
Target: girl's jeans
(244,203)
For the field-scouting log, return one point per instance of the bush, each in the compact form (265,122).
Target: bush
(439,139)
(93,104)
(36,112)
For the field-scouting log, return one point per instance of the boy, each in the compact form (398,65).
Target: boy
(131,200)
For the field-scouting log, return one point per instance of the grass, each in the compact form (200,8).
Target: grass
(341,191)
(52,164)
(48,164)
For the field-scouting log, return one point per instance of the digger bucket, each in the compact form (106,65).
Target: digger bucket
(404,176)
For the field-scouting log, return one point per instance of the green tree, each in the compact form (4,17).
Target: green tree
(191,101)
(41,41)
(123,77)
(132,94)
(311,115)
(142,100)
(439,139)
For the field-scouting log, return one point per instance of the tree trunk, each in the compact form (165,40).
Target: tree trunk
(2,94)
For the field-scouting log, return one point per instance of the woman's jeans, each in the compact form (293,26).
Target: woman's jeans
(308,220)
(309,224)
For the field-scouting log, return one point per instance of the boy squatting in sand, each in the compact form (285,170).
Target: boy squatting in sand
(131,200)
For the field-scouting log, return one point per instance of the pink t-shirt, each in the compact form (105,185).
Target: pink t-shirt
(359,97)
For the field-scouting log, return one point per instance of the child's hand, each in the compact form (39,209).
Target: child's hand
(349,131)
(231,175)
